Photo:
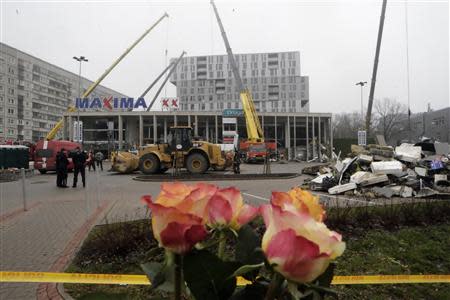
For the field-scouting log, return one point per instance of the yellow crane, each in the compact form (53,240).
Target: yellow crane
(53,132)
(255,133)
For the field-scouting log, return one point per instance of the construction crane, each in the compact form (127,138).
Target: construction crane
(255,133)
(51,135)
(257,148)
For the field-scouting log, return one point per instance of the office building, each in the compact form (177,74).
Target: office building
(206,83)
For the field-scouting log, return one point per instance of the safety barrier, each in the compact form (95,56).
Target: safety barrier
(124,279)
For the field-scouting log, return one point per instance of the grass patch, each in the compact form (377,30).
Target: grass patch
(401,239)
(414,250)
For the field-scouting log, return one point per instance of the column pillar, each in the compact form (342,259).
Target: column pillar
(287,134)
(165,130)
(307,138)
(155,130)
(320,140)
(120,121)
(196,125)
(175,120)
(216,129)
(314,137)
(276,131)
(189,120)
(141,131)
(331,136)
(262,125)
(295,138)
(70,125)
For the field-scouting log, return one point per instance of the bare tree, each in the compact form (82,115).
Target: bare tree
(346,125)
(389,116)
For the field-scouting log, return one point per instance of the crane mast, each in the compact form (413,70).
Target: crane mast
(52,133)
(255,133)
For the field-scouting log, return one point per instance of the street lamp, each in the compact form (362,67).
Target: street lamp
(80,60)
(362,83)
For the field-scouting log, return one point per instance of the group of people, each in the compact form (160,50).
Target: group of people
(80,160)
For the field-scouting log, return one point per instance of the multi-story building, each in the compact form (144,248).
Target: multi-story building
(34,94)
(432,124)
(206,83)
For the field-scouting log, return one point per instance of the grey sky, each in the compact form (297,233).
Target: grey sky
(336,40)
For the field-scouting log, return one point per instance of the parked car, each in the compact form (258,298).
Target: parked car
(45,154)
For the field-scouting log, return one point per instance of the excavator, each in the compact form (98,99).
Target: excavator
(54,131)
(255,134)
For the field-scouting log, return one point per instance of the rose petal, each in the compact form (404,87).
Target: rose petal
(246,214)
(146,199)
(296,257)
(219,210)
(233,196)
(180,238)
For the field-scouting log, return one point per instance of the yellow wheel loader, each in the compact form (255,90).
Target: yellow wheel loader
(180,151)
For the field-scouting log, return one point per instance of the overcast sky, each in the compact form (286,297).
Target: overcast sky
(336,40)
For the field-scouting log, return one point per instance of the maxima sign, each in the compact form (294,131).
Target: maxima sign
(110,103)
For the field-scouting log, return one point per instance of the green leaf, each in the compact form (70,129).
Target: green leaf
(292,287)
(246,269)
(160,275)
(248,251)
(151,269)
(208,277)
(321,289)
(254,291)
(326,278)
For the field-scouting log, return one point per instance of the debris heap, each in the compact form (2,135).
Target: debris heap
(419,170)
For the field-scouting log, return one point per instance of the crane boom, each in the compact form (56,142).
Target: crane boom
(255,133)
(52,133)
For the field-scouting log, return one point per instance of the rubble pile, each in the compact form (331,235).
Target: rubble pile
(419,170)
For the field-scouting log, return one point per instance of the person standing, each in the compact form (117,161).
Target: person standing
(91,160)
(99,159)
(79,163)
(61,168)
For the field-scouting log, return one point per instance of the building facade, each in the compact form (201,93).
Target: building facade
(206,83)
(297,133)
(432,124)
(34,95)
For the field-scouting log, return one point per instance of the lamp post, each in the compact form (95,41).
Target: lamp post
(80,60)
(362,83)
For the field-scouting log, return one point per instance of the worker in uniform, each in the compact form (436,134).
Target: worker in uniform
(79,163)
(61,168)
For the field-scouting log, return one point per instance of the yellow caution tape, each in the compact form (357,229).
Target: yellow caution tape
(11,276)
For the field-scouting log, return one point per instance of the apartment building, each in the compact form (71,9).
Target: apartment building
(206,83)
(34,94)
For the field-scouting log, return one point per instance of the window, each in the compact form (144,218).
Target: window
(11,121)
(10,111)
(10,100)
(10,91)
(10,80)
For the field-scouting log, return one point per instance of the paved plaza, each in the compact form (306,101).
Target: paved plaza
(40,238)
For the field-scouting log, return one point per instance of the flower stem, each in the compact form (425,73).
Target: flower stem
(222,243)
(178,281)
(274,286)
